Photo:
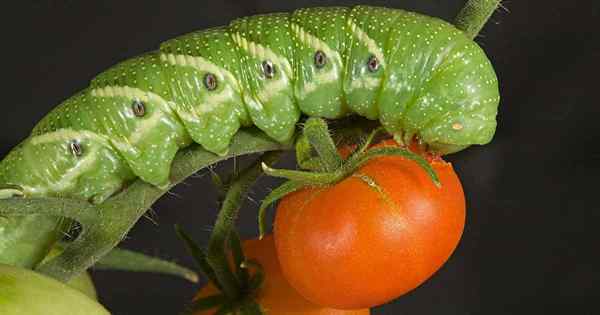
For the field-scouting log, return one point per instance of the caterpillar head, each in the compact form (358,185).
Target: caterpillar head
(64,163)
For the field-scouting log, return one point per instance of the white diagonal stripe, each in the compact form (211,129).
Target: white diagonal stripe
(262,52)
(368,41)
(332,55)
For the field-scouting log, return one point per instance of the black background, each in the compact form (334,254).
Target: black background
(530,245)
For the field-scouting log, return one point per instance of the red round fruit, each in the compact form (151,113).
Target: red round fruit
(371,237)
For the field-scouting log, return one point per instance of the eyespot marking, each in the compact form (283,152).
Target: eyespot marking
(76,148)
(320,59)
(210,81)
(373,64)
(139,108)
(268,69)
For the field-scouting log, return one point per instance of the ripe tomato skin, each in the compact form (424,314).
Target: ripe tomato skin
(277,297)
(354,245)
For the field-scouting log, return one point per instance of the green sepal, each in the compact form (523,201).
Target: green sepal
(127,260)
(258,277)
(360,160)
(251,308)
(205,303)
(273,196)
(199,256)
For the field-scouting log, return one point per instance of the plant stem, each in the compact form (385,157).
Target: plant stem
(216,255)
(474,15)
(317,133)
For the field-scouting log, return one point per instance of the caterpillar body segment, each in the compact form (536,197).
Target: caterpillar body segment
(419,76)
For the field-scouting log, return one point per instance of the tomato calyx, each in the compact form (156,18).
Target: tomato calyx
(223,262)
(239,295)
(329,167)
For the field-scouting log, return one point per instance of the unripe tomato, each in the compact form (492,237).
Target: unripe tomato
(25,292)
(82,282)
(276,296)
(371,237)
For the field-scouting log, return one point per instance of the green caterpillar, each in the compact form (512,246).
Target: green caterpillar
(421,77)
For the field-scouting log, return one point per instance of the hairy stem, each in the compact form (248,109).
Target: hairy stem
(217,254)
(317,133)
(474,15)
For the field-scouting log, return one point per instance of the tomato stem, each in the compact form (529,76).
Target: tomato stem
(216,255)
(474,15)
(317,134)
(304,156)
(235,244)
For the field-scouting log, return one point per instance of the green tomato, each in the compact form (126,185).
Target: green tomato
(82,282)
(25,292)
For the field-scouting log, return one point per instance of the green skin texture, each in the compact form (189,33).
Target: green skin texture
(433,84)
(24,292)
(82,282)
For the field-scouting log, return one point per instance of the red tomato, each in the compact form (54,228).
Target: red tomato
(371,237)
(276,296)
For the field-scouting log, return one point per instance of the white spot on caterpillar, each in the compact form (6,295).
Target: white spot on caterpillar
(457,126)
